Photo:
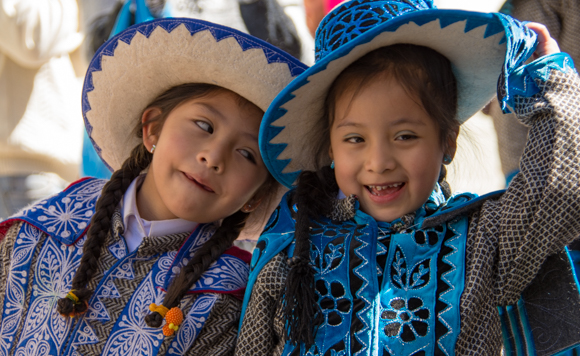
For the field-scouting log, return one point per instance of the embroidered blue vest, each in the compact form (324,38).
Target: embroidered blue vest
(415,308)
(65,219)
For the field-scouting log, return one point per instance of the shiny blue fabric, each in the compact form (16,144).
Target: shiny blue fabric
(415,311)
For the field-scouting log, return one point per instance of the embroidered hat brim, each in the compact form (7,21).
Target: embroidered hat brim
(475,43)
(140,63)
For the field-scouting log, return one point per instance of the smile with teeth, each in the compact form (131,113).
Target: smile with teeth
(384,189)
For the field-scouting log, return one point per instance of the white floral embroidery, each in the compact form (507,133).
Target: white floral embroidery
(118,249)
(69,215)
(192,325)
(133,336)
(229,273)
(16,284)
(54,271)
(164,264)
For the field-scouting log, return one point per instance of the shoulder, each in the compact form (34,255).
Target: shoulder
(64,216)
(458,205)
(278,233)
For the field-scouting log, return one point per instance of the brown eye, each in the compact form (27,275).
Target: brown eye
(406,137)
(204,126)
(248,155)
(355,139)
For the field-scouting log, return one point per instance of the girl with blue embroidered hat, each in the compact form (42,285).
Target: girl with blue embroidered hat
(144,264)
(370,253)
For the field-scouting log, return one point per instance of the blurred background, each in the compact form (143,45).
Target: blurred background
(45,48)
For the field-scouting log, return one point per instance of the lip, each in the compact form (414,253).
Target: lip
(384,199)
(199,182)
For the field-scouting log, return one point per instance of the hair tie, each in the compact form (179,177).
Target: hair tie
(76,301)
(173,319)
(161,309)
(70,295)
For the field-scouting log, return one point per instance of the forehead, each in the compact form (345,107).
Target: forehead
(222,101)
(383,97)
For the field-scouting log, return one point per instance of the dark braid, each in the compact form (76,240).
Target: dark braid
(99,228)
(208,253)
(314,195)
(445,188)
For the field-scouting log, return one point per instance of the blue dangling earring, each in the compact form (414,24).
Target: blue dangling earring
(332,165)
(447,159)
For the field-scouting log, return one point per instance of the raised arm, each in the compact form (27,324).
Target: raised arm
(539,214)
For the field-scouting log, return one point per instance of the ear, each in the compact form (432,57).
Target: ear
(451,148)
(150,131)
(330,154)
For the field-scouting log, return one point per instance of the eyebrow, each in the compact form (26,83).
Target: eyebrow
(394,123)
(216,112)
(211,108)
(251,136)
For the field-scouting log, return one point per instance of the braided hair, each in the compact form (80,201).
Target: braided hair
(112,195)
(425,74)
(313,196)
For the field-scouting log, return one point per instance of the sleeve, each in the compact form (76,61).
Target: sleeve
(33,31)
(540,212)
(261,332)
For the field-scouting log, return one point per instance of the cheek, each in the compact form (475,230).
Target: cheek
(426,168)
(345,174)
(246,184)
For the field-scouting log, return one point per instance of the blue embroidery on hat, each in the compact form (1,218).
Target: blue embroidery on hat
(246,42)
(357,17)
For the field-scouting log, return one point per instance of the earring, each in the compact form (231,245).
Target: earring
(247,208)
(152,149)
(332,165)
(447,159)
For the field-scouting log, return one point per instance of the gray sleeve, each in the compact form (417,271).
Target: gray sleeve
(262,332)
(540,212)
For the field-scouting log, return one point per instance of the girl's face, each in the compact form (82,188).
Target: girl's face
(386,149)
(206,164)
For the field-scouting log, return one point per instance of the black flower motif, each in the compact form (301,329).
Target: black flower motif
(406,319)
(332,301)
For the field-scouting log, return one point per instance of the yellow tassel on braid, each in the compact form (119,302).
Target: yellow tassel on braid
(72,296)
(161,309)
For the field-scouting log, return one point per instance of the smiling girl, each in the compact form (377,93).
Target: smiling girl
(370,253)
(145,264)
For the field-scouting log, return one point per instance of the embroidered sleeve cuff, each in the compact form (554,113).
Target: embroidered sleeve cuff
(522,81)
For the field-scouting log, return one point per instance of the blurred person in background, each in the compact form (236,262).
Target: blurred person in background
(40,122)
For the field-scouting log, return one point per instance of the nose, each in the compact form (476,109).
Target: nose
(213,158)
(380,158)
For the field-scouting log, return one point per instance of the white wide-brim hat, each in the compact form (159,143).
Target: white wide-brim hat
(131,69)
(480,47)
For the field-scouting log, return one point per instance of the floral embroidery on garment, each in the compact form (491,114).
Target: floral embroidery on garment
(16,286)
(45,331)
(66,215)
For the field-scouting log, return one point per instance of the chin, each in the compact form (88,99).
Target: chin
(385,215)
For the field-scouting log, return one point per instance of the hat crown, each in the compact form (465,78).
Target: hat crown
(353,18)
